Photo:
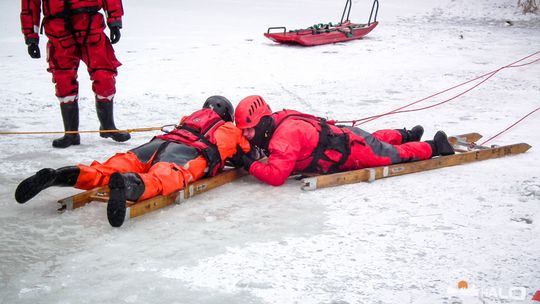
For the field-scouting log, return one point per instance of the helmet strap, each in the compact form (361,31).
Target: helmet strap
(263,132)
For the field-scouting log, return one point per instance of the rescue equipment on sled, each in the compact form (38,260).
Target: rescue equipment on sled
(320,33)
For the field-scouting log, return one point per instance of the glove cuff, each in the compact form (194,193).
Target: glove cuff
(30,41)
(115,23)
(247,162)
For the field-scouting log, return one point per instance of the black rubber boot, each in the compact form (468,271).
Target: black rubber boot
(414,134)
(440,145)
(122,187)
(70,116)
(105,114)
(43,179)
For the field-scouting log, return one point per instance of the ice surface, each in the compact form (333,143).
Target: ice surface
(402,240)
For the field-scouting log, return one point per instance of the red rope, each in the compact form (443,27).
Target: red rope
(445,101)
(520,65)
(492,137)
(488,75)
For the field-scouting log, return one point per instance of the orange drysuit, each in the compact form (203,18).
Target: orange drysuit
(164,166)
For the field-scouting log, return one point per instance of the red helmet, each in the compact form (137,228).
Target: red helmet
(250,110)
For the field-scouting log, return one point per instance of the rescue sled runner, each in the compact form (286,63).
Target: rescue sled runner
(466,152)
(134,209)
(319,34)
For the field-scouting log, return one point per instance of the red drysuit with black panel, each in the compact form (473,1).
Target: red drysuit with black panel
(75,32)
(300,138)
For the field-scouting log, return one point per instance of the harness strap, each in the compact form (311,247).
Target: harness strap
(189,129)
(211,153)
(67,16)
(68,24)
(327,141)
(68,12)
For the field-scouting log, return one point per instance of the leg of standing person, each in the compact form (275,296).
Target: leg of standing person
(102,66)
(63,59)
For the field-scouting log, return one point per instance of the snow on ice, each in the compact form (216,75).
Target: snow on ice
(408,239)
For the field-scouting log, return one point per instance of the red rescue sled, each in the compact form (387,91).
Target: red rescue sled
(326,33)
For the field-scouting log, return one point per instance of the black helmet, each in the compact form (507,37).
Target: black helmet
(221,105)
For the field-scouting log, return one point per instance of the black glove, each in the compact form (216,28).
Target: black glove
(241,159)
(257,153)
(33,50)
(115,32)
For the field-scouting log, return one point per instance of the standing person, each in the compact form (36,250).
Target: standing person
(197,147)
(75,29)
(300,143)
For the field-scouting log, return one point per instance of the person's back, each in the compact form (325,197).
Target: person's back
(290,148)
(302,143)
(162,166)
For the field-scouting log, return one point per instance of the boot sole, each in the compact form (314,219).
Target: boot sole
(33,185)
(443,145)
(116,207)
(420,132)
(59,143)
(115,137)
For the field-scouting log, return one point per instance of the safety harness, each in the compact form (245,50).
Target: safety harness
(67,14)
(329,140)
(197,130)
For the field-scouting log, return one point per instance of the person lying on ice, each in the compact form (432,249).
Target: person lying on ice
(300,143)
(196,148)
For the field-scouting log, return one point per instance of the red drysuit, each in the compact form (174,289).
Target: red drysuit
(75,32)
(298,140)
